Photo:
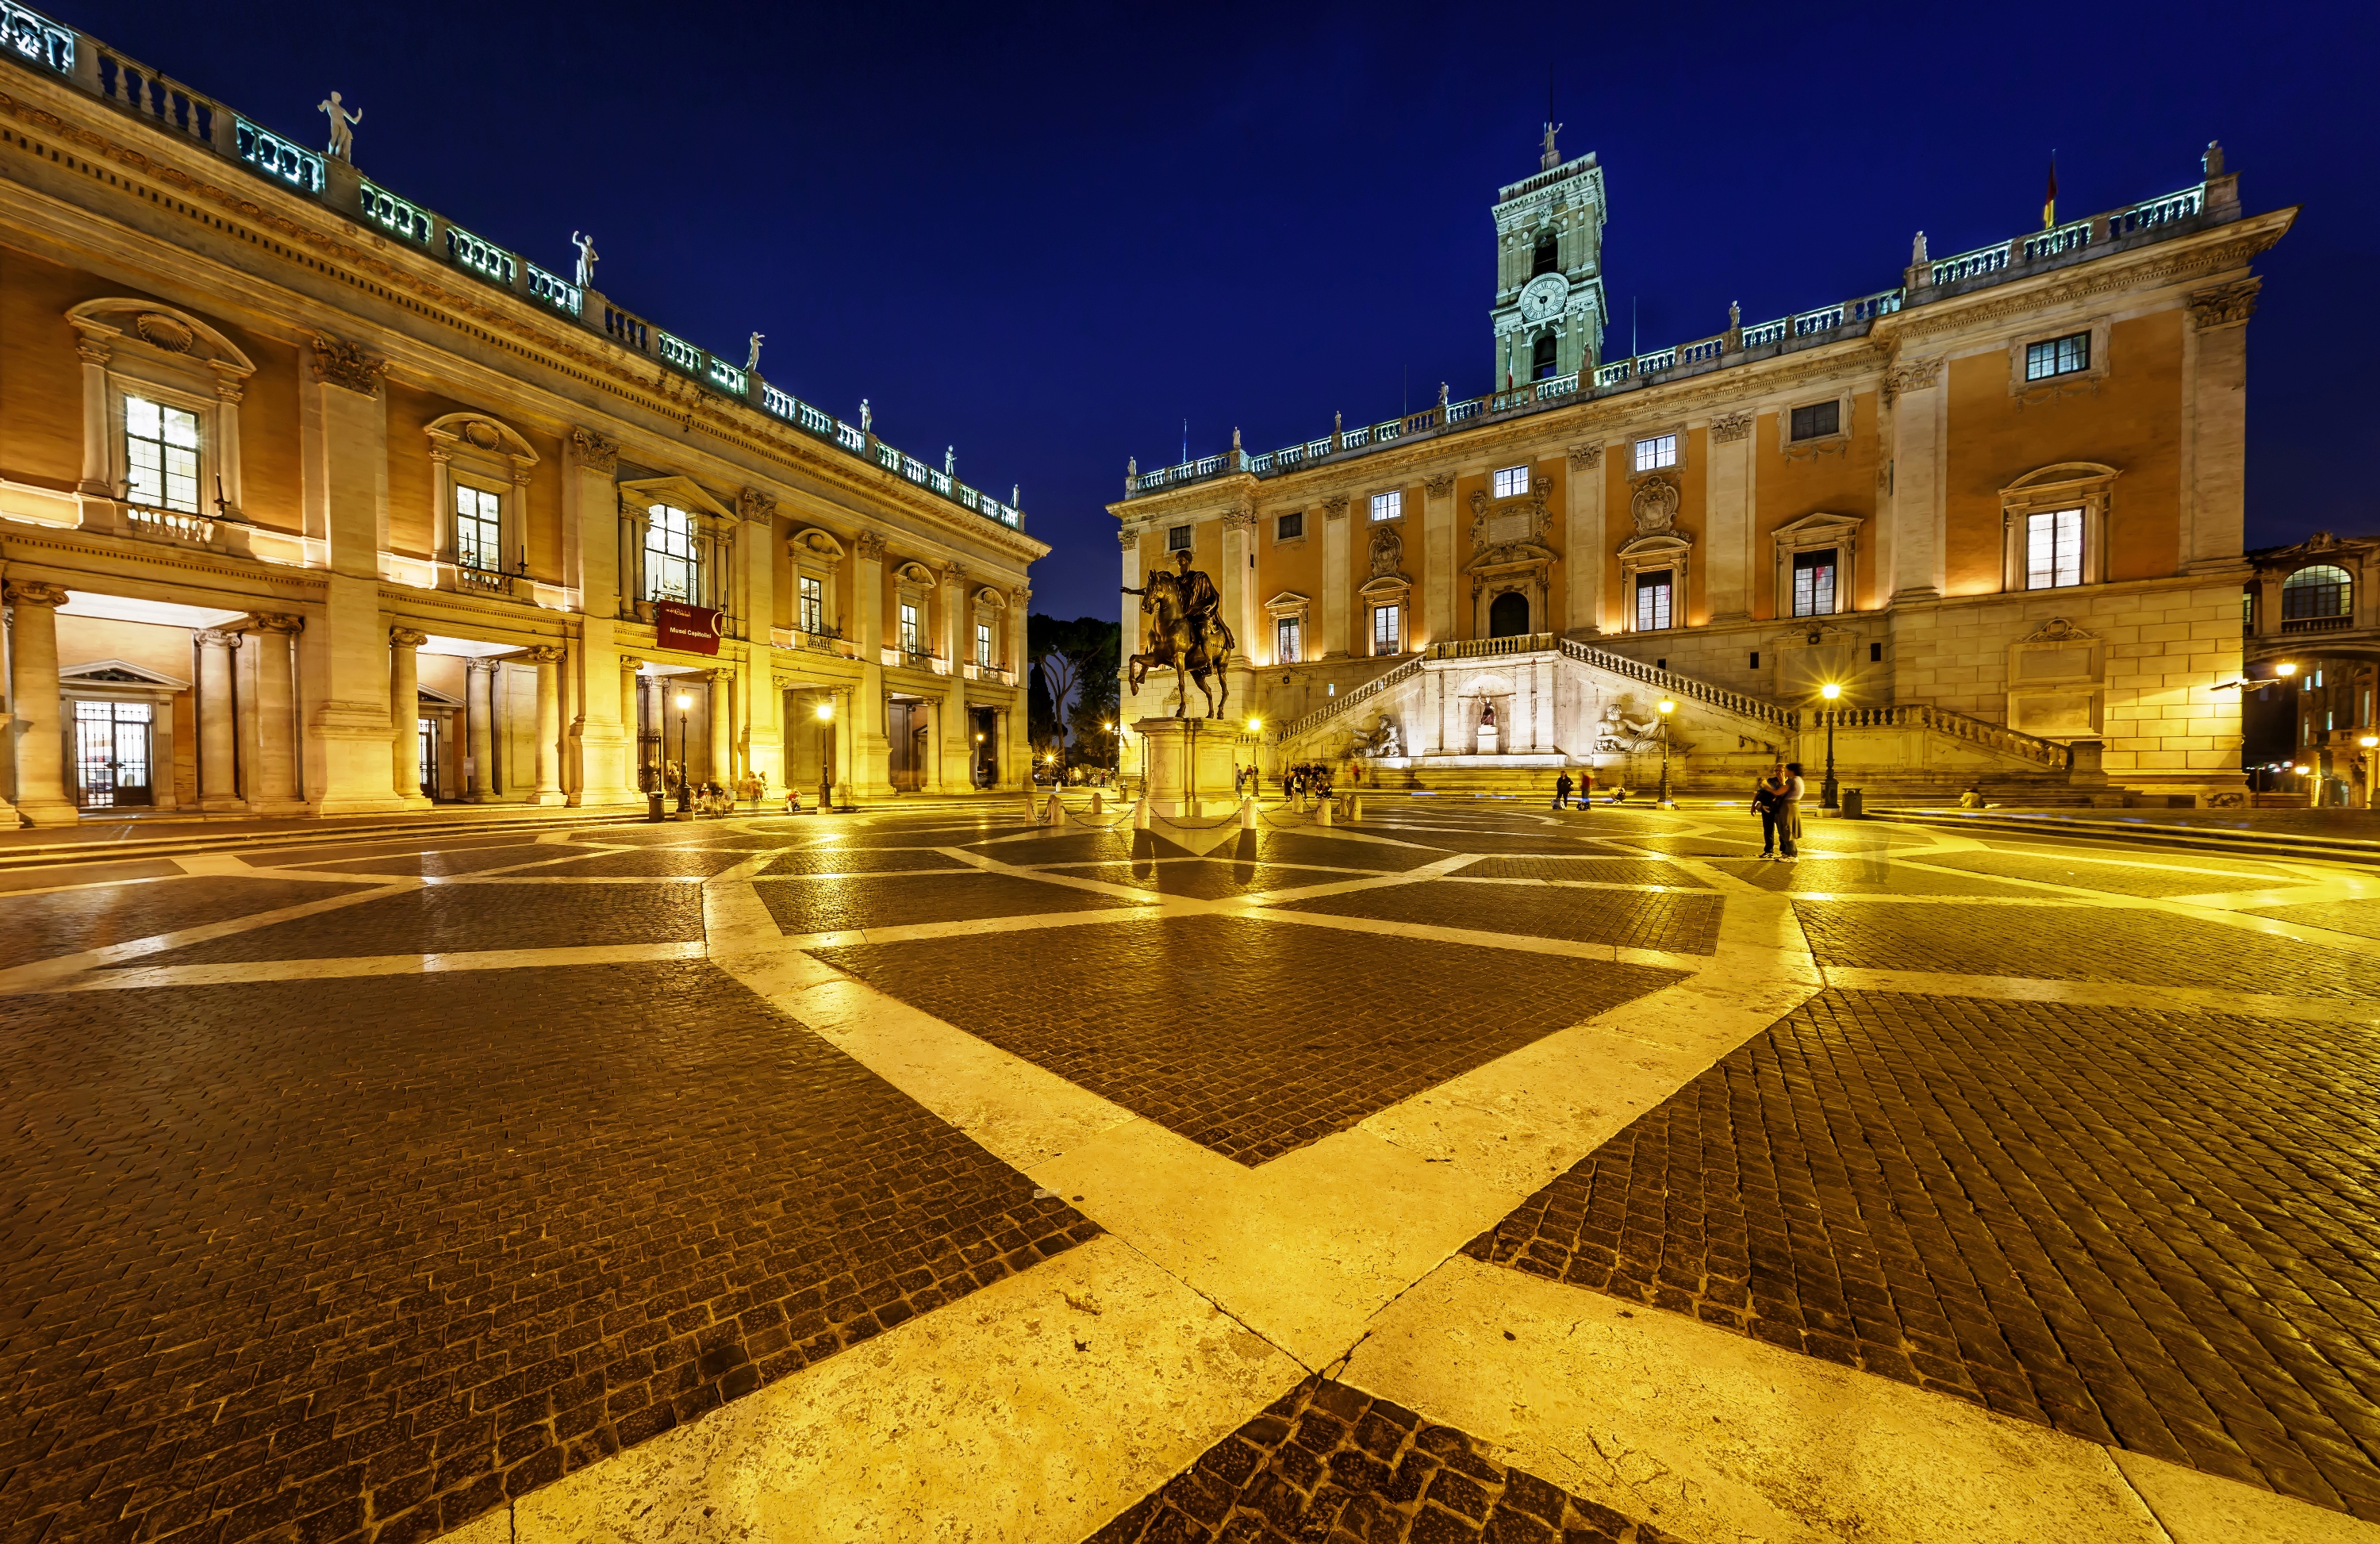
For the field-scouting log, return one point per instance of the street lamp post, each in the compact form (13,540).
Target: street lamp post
(1830,691)
(826,754)
(685,783)
(2370,743)
(1667,707)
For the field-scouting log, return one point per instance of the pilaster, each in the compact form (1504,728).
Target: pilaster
(1336,592)
(1582,544)
(1728,583)
(1919,407)
(2215,425)
(344,445)
(603,732)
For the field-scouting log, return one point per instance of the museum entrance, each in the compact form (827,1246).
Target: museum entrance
(1508,615)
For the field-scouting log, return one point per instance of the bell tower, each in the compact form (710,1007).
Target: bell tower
(1550,311)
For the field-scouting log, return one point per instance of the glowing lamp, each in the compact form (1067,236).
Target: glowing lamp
(1668,706)
(2285,667)
(1255,724)
(1830,691)
(683,702)
(826,710)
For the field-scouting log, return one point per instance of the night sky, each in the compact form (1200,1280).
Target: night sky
(1047,235)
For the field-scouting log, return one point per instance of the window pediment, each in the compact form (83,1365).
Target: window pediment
(119,673)
(161,332)
(819,545)
(682,492)
(916,573)
(1289,602)
(489,438)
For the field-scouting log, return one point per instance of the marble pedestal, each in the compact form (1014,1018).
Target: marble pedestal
(1190,763)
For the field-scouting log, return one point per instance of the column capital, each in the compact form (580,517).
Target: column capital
(277,622)
(407,638)
(628,664)
(594,453)
(337,363)
(870,545)
(2225,305)
(215,637)
(32,592)
(479,665)
(546,653)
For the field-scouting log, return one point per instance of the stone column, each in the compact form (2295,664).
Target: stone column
(870,774)
(723,728)
(404,715)
(548,659)
(1916,527)
(2216,428)
(1004,766)
(268,712)
(478,707)
(218,723)
(846,740)
(342,438)
(1728,585)
(630,695)
(1335,597)
(42,796)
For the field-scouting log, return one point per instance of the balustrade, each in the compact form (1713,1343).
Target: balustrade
(166,525)
(627,329)
(555,290)
(390,212)
(284,161)
(677,351)
(36,39)
(167,104)
(483,258)
(721,373)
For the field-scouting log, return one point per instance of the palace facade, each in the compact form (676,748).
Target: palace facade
(312,501)
(1996,507)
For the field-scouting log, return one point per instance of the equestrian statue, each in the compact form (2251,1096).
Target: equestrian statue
(1186,632)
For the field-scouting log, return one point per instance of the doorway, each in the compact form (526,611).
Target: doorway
(112,755)
(1508,615)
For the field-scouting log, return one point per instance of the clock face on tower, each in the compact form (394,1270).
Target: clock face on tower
(1543,297)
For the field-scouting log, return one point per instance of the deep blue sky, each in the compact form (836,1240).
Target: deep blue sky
(1046,236)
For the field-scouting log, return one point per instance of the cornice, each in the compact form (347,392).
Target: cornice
(61,539)
(596,362)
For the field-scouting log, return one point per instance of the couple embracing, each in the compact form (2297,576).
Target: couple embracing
(1776,798)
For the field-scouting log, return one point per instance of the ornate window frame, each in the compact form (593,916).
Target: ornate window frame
(1286,542)
(2087,485)
(1835,443)
(817,555)
(1674,550)
(143,348)
(2081,382)
(1816,533)
(476,450)
(714,534)
(914,584)
(1290,606)
(990,610)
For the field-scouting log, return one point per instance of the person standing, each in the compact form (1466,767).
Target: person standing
(1767,798)
(1789,830)
(1562,791)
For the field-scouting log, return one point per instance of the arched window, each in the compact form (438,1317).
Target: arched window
(1541,359)
(2314,595)
(1548,255)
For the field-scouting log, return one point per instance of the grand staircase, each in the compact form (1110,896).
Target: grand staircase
(1721,740)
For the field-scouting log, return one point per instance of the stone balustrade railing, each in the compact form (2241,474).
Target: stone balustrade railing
(1717,351)
(2048,754)
(1363,694)
(33,40)
(1744,705)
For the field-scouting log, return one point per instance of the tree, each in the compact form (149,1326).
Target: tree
(1070,661)
(1097,693)
(1041,726)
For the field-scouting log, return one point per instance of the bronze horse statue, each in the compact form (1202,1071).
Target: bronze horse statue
(1196,647)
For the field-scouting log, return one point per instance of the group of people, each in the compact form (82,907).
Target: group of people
(1585,788)
(1777,799)
(1304,777)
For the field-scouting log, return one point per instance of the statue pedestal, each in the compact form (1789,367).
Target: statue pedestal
(1487,740)
(1190,764)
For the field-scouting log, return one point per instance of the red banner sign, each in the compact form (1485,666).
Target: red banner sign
(694,629)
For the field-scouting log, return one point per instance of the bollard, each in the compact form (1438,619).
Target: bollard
(1140,814)
(1094,802)
(1322,812)
(1055,814)
(1355,808)
(1247,814)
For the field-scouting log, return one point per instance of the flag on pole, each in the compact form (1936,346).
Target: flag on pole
(2050,199)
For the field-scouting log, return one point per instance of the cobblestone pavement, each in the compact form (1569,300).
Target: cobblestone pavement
(376,1190)
(1329,1462)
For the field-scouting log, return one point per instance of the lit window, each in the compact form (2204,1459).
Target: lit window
(1653,601)
(1177,539)
(160,455)
(1512,482)
(1389,505)
(1814,583)
(813,605)
(1659,451)
(912,634)
(1817,420)
(983,645)
(1288,640)
(2064,356)
(2053,549)
(479,530)
(2319,591)
(669,555)
(1289,528)
(1388,630)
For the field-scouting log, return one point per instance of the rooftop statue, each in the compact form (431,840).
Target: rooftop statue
(752,351)
(342,133)
(866,417)
(585,245)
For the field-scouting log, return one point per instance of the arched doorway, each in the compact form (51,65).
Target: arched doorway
(1508,615)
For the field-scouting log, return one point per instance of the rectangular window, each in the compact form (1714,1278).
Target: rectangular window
(1177,539)
(1512,482)
(983,645)
(2053,549)
(161,455)
(1755,659)
(1288,640)
(1653,601)
(2065,356)
(813,605)
(1388,630)
(669,555)
(1289,528)
(1389,505)
(479,529)
(1817,420)
(912,636)
(1659,451)
(1876,654)
(1814,583)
